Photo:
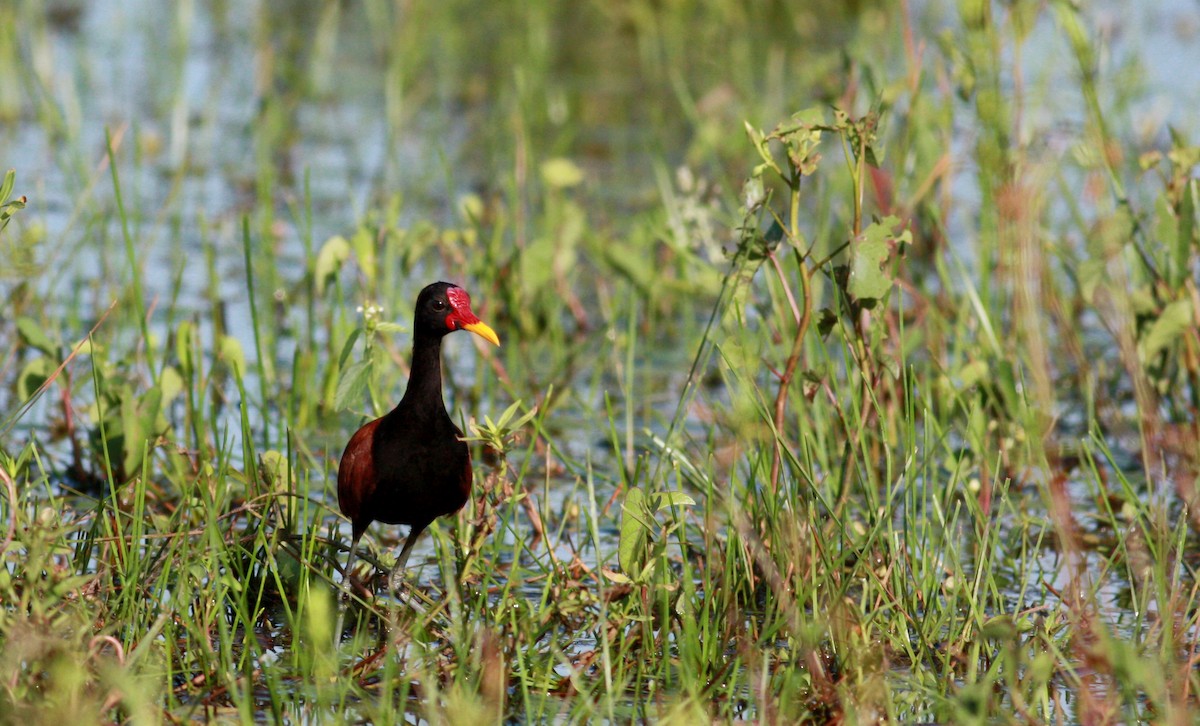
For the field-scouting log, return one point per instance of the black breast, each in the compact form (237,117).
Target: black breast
(419,462)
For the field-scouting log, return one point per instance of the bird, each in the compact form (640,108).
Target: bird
(411,466)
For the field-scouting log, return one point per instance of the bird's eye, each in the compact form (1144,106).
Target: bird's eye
(439,304)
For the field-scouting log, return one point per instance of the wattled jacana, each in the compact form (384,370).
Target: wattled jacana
(411,466)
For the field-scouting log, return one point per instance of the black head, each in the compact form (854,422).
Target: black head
(443,308)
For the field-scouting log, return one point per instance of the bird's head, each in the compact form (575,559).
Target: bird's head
(443,308)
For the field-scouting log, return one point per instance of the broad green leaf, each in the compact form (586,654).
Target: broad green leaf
(1182,156)
(868,277)
(812,117)
(363,244)
(352,386)
(70,586)
(130,439)
(170,383)
(32,376)
(348,347)
(626,261)
(333,254)
(290,569)
(1091,274)
(1024,18)
(275,469)
(537,264)
(826,321)
(561,173)
(999,627)
(34,336)
(1072,26)
(87,346)
(972,373)
(1175,319)
(230,351)
(638,525)
(617,577)
(471,208)
(183,345)
(665,500)
(149,407)
(753,193)
(890,364)
(635,531)
(1186,236)
(319,608)
(1143,301)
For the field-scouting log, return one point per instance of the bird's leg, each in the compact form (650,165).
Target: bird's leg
(348,586)
(396,577)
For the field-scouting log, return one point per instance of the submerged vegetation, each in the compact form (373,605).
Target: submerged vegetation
(851,362)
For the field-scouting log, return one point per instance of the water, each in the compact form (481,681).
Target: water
(192,90)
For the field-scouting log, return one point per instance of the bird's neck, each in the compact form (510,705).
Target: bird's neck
(425,379)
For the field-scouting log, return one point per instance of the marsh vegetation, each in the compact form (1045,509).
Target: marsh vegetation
(850,368)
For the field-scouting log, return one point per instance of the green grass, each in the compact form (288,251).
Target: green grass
(837,382)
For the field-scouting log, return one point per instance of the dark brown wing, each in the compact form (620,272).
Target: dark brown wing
(357,478)
(464,483)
